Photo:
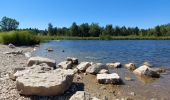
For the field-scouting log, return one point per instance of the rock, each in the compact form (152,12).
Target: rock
(128,78)
(11,46)
(27,54)
(82,95)
(49,49)
(159,70)
(40,60)
(73,60)
(146,71)
(65,64)
(132,93)
(95,68)
(75,70)
(83,66)
(114,65)
(113,78)
(103,71)
(130,66)
(14,52)
(28,70)
(147,64)
(50,83)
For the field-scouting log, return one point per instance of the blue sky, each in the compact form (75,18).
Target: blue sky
(38,13)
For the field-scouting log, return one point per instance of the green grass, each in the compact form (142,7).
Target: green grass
(44,38)
(19,38)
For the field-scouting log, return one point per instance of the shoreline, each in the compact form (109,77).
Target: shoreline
(133,90)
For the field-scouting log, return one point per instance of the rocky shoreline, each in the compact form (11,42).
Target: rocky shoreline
(92,81)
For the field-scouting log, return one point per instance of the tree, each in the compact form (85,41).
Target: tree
(50,29)
(108,30)
(84,29)
(8,24)
(94,30)
(74,29)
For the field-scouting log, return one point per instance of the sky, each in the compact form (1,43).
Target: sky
(62,13)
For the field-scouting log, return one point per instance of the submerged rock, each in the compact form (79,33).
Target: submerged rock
(147,64)
(159,70)
(95,68)
(50,83)
(114,65)
(82,95)
(73,60)
(113,78)
(49,49)
(83,66)
(65,65)
(130,66)
(146,71)
(40,60)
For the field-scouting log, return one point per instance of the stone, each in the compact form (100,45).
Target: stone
(114,65)
(159,70)
(11,46)
(50,83)
(40,60)
(82,95)
(127,78)
(95,68)
(113,78)
(49,49)
(73,60)
(83,66)
(16,52)
(146,71)
(65,65)
(147,64)
(130,66)
(103,71)
(27,54)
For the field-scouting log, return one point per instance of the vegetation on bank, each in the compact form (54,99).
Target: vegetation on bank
(19,38)
(9,33)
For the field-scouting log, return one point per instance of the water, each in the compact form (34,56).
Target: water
(124,51)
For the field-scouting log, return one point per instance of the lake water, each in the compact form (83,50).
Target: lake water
(124,51)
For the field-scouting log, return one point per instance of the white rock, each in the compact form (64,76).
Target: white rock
(27,54)
(82,95)
(40,60)
(65,65)
(83,66)
(145,71)
(11,46)
(113,78)
(95,68)
(114,65)
(103,71)
(50,83)
(130,66)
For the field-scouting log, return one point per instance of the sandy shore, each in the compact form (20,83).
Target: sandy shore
(131,90)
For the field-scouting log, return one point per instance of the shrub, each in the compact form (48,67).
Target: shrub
(105,37)
(19,38)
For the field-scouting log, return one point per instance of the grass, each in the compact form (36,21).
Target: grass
(44,38)
(19,38)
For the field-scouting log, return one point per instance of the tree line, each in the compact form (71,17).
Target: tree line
(88,30)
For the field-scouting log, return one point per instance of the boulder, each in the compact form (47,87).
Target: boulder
(103,71)
(159,70)
(17,72)
(83,66)
(73,60)
(130,66)
(65,65)
(82,95)
(40,60)
(114,65)
(113,78)
(11,46)
(50,83)
(95,68)
(146,71)
(147,64)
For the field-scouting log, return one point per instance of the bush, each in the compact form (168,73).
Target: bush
(19,38)
(105,37)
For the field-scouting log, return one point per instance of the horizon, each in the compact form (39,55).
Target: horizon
(37,14)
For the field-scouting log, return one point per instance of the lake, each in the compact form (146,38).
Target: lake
(124,51)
